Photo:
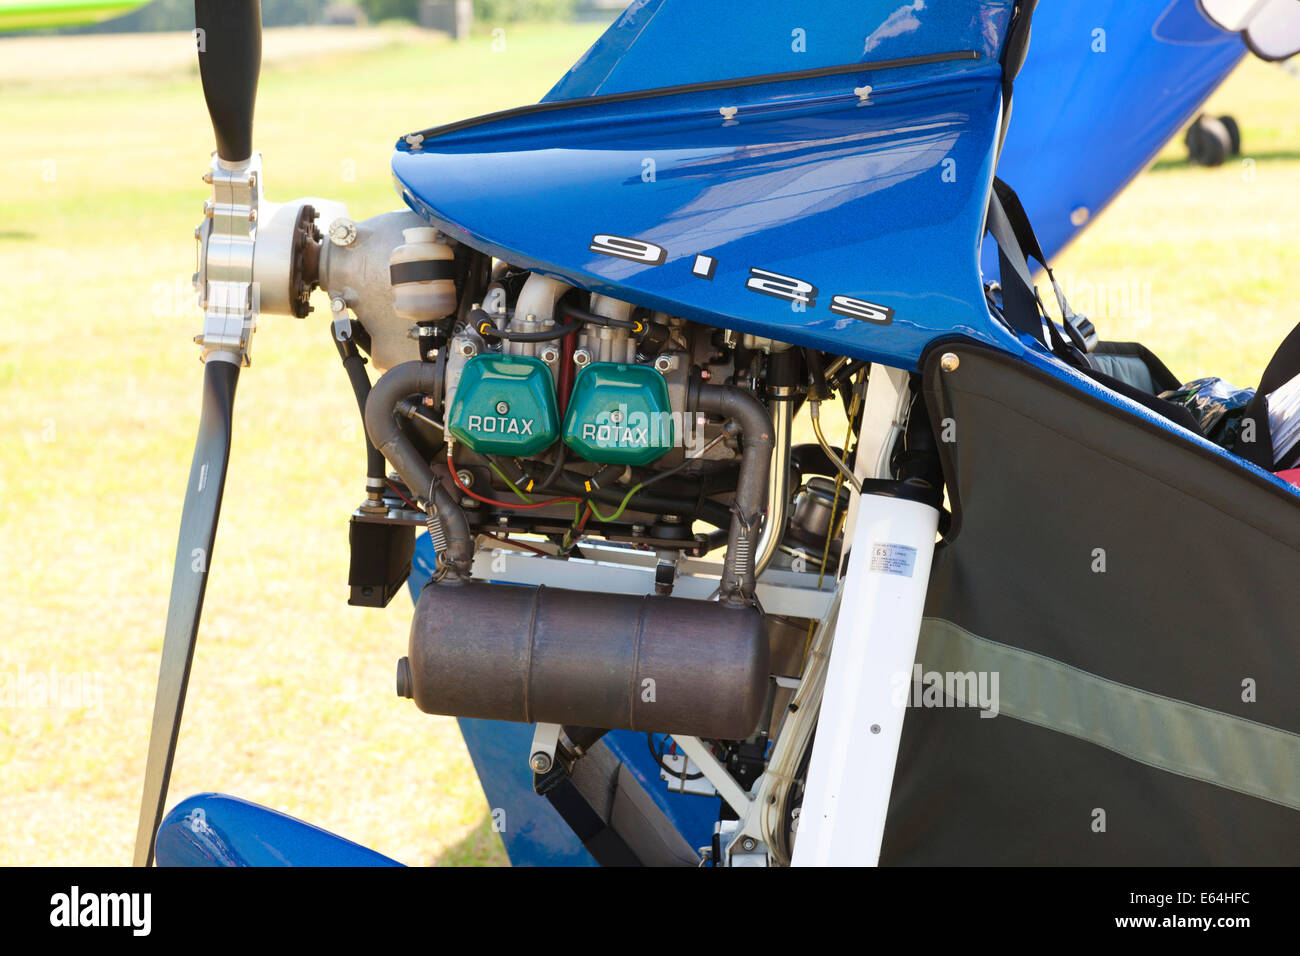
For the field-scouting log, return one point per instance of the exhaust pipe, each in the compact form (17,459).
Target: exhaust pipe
(622,662)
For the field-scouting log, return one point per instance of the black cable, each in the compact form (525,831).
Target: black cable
(485,327)
(659,759)
(591,318)
(355,366)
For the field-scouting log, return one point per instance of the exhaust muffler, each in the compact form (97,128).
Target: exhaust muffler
(621,662)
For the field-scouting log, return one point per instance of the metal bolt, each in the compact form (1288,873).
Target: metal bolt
(337,304)
(540,762)
(1079,215)
(503,407)
(664,363)
(468,349)
(252,215)
(550,354)
(343,232)
(466,478)
(616,417)
(581,357)
(748,844)
(207,177)
(949,362)
(875,728)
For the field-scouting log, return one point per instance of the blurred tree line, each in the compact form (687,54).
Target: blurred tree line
(491,11)
(179,14)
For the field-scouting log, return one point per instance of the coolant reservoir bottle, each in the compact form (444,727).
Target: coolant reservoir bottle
(423,271)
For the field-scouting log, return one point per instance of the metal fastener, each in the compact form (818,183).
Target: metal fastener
(343,232)
(503,407)
(949,362)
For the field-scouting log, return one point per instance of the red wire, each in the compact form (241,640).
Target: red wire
(567,345)
(397,491)
(583,523)
(517,544)
(451,466)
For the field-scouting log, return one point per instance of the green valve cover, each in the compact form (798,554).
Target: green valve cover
(619,415)
(505,405)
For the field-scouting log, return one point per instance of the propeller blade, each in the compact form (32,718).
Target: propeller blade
(230,58)
(189,579)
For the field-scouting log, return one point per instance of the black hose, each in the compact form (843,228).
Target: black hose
(575,314)
(485,327)
(744,408)
(396,384)
(355,365)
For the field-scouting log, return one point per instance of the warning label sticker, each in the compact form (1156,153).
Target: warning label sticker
(897,559)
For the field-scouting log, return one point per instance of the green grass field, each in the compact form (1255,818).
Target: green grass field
(291,701)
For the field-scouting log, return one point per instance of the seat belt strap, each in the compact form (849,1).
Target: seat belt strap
(1082,333)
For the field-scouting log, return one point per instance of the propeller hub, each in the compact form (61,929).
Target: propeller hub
(227,238)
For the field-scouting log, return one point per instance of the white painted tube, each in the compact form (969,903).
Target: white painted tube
(842,820)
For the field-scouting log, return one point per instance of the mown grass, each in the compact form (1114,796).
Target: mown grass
(291,702)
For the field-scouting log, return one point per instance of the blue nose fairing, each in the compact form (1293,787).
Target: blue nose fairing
(799,205)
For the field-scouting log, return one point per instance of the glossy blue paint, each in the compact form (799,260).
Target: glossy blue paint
(805,182)
(533,833)
(1084,123)
(212,829)
(657,43)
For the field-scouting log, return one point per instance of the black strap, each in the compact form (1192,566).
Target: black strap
(1022,308)
(1282,367)
(421,270)
(1081,332)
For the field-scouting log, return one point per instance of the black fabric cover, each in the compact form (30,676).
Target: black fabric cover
(1201,590)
